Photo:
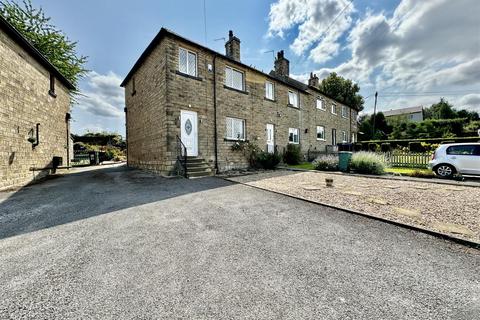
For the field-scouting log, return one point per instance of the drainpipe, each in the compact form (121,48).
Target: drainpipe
(67,120)
(215,135)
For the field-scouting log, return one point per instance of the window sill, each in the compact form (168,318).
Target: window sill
(268,99)
(321,109)
(321,140)
(234,140)
(292,106)
(344,117)
(233,89)
(293,142)
(188,76)
(52,93)
(335,114)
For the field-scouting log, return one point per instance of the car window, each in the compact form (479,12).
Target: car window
(477,151)
(461,150)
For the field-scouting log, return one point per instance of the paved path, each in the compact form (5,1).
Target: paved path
(122,244)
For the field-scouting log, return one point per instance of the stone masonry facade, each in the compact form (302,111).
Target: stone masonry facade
(156,92)
(25,101)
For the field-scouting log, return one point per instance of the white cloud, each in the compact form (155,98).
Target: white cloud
(320,24)
(103,96)
(424,46)
(470,102)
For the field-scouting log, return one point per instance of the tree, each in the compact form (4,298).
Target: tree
(441,110)
(343,90)
(382,128)
(46,38)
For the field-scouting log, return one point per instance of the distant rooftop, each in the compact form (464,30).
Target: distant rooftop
(397,112)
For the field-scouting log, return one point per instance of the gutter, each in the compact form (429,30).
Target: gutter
(215,135)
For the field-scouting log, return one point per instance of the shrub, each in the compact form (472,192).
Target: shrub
(386,147)
(292,154)
(326,163)
(268,160)
(367,162)
(421,174)
(415,147)
(373,147)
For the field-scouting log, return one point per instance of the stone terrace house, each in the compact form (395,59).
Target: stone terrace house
(210,101)
(34,111)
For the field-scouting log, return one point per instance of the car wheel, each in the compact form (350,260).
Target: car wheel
(444,171)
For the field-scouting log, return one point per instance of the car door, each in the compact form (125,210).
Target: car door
(476,165)
(463,157)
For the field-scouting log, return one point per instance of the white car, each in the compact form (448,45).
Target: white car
(456,158)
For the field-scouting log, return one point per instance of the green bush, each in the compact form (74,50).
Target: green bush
(373,147)
(367,162)
(416,147)
(326,163)
(268,160)
(113,153)
(386,147)
(292,154)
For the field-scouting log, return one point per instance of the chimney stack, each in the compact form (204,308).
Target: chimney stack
(313,81)
(232,47)
(282,65)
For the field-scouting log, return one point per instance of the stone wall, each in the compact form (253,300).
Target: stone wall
(184,92)
(24,102)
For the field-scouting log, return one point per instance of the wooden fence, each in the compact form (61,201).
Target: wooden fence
(407,159)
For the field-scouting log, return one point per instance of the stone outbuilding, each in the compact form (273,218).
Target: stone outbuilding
(179,90)
(34,111)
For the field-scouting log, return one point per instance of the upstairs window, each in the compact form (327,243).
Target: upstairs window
(234,78)
(187,62)
(320,104)
(269,90)
(293,135)
(235,129)
(334,109)
(321,133)
(293,99)
(344,111)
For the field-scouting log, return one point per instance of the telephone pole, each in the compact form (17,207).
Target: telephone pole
(374,114)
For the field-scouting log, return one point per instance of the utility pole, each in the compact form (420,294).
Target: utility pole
(374,114)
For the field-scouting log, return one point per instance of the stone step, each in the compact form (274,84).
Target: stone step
(200,174)
(199,169)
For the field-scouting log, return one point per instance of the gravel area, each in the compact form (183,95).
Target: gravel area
(449,209)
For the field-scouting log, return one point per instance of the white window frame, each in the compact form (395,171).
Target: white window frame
(353,138)
(272,97)
(344,137)
(227,119)
(293,131)
(344,112)
(323,129)
(196,62)
(320,102)
(333,109)
(230,85)
(296,100)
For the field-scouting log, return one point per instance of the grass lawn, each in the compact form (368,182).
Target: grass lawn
(409,171)
(304,165)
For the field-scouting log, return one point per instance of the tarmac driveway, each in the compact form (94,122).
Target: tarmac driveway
(123,244)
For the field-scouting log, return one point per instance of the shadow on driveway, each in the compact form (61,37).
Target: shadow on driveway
(87,194)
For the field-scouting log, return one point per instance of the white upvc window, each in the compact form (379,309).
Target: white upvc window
(269,90)
(187,62)
(334,108)
(235,129)
(234,78)
(354,138)
(320,104)
(344,137)
(293,99)
(321,133)
(293,135)
(344,112)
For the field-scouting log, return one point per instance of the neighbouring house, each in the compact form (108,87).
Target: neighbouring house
(179,90)
(34,111)
(414,114)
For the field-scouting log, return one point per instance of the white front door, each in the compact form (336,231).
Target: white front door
(270,138)
(189,133)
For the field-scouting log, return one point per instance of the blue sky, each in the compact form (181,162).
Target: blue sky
(412,52)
